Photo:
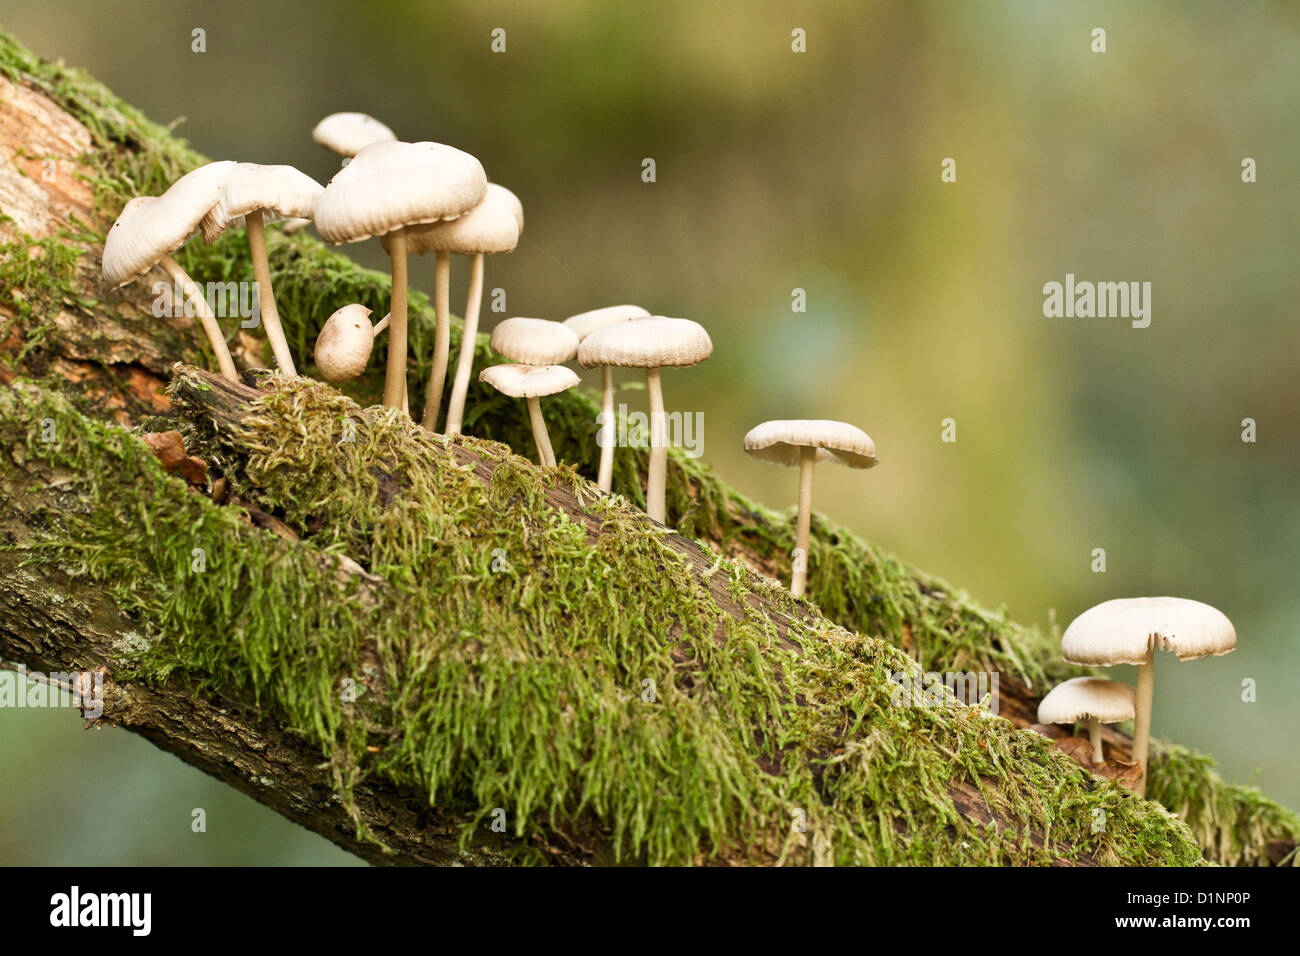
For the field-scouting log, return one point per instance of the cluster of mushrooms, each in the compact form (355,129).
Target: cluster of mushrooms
(427,197)
(1130,631)
(424,197)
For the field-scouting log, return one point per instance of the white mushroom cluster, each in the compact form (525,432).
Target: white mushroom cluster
(416,198)
(211,199)
(1130,631)
(625,336)
(427,197)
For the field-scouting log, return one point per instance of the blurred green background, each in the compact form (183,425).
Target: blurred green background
(821,171)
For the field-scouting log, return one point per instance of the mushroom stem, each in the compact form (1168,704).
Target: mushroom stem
(468,344)
(605,476)
(1094,734)
(209,321)
(395,375)
(441,340)
(265,296)
(381,324)
(799,570)
(545,455)
(656,480)
(1142,718)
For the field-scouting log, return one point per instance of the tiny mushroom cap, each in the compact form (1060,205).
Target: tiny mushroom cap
(529,381)
(1127,630)
(489,227)
(344,344)
(281,190)
(389,185)
(534,341)
(349,133)
(654,342)
(1083,698)
(584,323)
(781,442)
(150,228)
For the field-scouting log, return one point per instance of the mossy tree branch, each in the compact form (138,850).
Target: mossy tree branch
(101,356)
(489,689)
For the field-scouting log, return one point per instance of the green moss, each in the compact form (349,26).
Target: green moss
(854,584)
(36,277)
(1237,826)
(523,689)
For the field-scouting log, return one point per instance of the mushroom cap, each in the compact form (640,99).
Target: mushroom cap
(780,442)
(529,381)
(150,227)
(389,185)
(282,191)
(487,228)
(534,341)
(1108,701)
(349,133)
(344,344)
(654,342)
(584,323)
(1125,630)
(512,202)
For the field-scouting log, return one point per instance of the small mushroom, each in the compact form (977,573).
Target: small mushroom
(387,187)
(345,341)
(249,193)
(349,133)
(805,443)
(532,382)
(584,323)
(1093,700)
(534,341)
(150,228)
(652,343)
(489,227)
(1130,631)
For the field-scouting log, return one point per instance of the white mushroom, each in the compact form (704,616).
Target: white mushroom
(349,133)
(249,193)
(489,227)
(532,382)
(387,187)
(652,343)
(150,228)
(804,443)
(534,341)
(1093,700)
(1131,630)
(584,323)
(345,342)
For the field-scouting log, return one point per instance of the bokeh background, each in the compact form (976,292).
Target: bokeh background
(821,171)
